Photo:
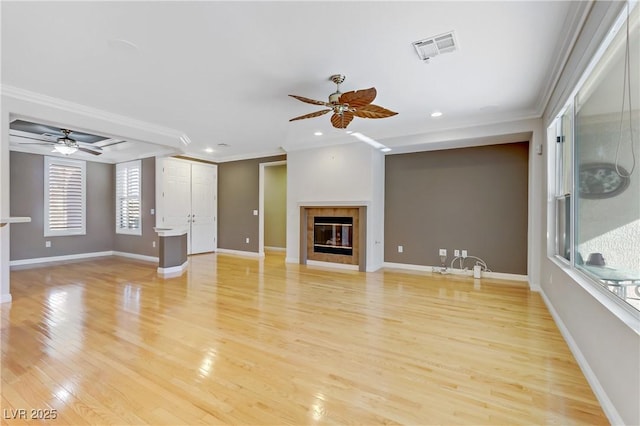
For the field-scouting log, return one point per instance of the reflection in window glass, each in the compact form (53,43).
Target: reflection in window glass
(606,173)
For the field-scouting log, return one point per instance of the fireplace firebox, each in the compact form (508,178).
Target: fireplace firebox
(333,235)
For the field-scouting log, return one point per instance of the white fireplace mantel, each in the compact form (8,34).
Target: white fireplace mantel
(333,203)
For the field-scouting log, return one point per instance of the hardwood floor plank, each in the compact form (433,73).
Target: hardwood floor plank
(256,341)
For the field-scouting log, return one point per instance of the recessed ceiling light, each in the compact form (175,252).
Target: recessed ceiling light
(209,150)
(318,133)
(436,114)
(385,149)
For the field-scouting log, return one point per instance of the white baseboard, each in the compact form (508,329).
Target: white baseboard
(173,270)
(5,298)
(239,252)
(136,256)
(332,265)
(606,404)
(275,248)
(59,258)
(455,271)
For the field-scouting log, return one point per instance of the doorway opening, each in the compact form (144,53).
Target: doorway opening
(273,208)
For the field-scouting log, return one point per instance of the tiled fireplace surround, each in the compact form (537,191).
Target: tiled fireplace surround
(359,242)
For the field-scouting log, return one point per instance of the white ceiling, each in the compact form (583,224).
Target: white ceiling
(220,72)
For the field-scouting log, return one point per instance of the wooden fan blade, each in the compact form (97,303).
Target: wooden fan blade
(310,101)
(341,121)
(90,151)
(313,114)
(373,111)
(358,98)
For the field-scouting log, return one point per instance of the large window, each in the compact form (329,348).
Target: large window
(64,197)
(598,202)
(129,198)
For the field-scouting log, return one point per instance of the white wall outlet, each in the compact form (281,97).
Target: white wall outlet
(400,249)
(246,240)
(153,211)
(443,252)
(153,244)
(464,253)
(255,212)
(47,243)
(456,253)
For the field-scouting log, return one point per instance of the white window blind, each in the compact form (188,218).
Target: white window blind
(129,198)
(64,197)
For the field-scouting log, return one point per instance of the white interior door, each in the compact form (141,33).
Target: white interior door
(203,208)
(176,193)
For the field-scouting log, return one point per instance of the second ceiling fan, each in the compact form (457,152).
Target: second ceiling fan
(346,106)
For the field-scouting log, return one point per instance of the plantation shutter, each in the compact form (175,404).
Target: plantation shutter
(65,197)
(129,198)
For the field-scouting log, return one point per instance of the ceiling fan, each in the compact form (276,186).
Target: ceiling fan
(345,106)
(65,144)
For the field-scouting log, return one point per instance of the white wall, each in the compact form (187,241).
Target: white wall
(351,174)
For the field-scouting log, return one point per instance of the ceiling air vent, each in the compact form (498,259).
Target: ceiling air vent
(434,46)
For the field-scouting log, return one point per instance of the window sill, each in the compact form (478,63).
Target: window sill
(618,307)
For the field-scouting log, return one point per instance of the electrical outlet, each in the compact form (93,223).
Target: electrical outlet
(153,244)
(443,252)
(255,212)
(464,253)
(400,249)
(246,240)
(456,253)
(152,211)
(47,243)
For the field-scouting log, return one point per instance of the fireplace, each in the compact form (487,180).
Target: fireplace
(333,234)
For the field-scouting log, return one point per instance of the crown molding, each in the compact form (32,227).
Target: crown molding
(578,13)
(238,157)
(178,138)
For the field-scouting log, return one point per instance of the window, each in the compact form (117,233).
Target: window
(64,197)
(564,182)
(129,198)
(598,200)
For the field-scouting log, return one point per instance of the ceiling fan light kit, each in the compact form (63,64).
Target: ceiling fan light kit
(346,106)
(64,149)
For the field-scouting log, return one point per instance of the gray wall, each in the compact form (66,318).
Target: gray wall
(238,196)
(27,199)
(143,244)
(275,206)
(466,198)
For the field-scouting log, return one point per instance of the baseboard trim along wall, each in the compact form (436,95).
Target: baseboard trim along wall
(455,271)
(59,258)
(332,265)
(239,252)
(80,256)
(607,406)
(5,298)
(173,270)
(136,256)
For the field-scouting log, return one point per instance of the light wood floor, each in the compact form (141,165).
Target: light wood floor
(246,341)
